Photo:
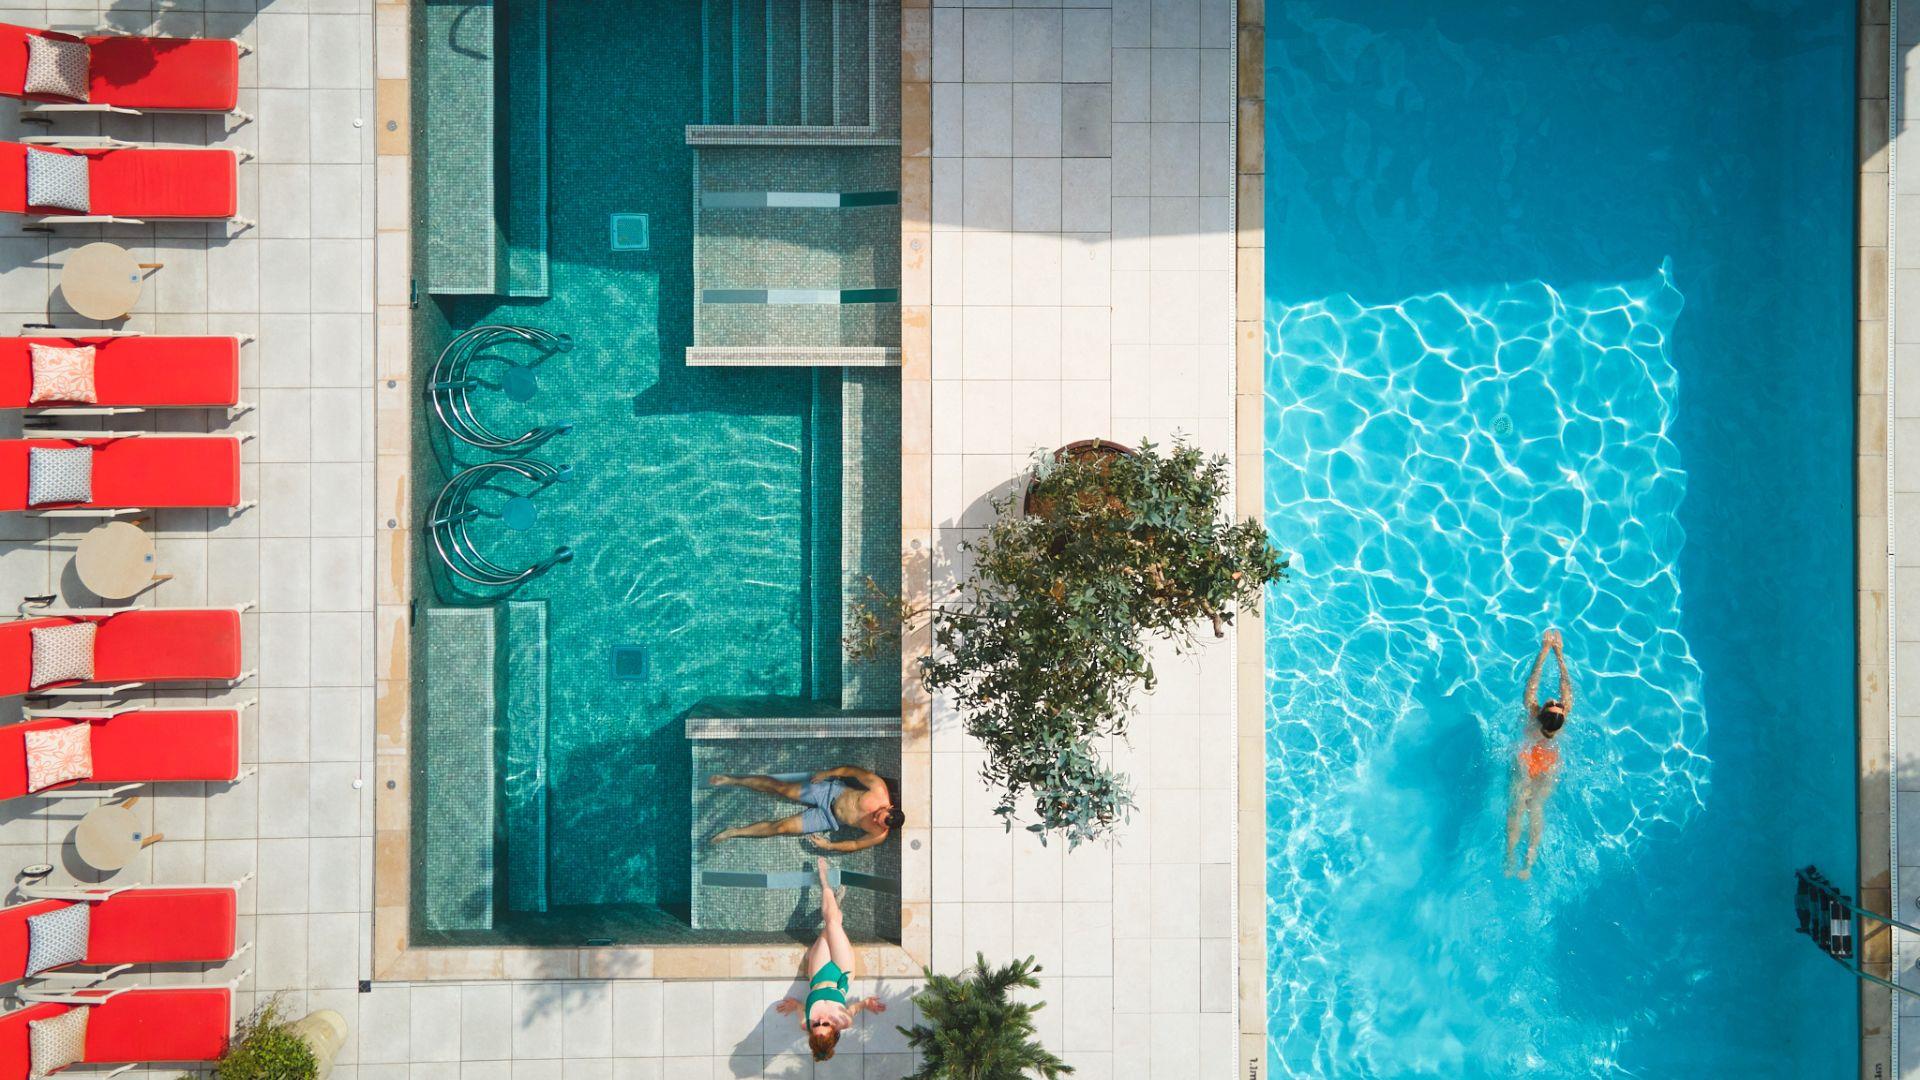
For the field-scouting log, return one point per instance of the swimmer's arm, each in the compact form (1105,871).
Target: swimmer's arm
(1531,700)
(871,1004)
(1566,682)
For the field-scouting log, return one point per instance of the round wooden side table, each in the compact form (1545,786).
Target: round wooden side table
(115,561)
(110,835)
(102,281)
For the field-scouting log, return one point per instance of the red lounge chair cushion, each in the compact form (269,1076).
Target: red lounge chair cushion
(163,926)
(161,183)
(139,472)
(158,372)
(201,74)
(135,182)
(189,1023)
(149,746)
(188,925)
(138,645)
(138,72)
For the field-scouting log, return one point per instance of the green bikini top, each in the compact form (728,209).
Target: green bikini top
(837,993)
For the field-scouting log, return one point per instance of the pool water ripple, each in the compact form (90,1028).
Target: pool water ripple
(1429,552)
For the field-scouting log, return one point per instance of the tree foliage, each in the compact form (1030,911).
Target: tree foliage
(972,1029)
(1045,642)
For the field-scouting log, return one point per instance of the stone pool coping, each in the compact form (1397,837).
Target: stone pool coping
(394,957)
(1873,567)
(1249,427)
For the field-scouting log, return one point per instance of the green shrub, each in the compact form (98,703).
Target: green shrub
(972,1029)
(266,1048)
(1046,641)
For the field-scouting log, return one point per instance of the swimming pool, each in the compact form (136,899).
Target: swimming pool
(1559,334)
(716,519)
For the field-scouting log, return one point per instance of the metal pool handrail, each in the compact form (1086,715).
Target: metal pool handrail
(448,384)
(1837,926)
(453,511)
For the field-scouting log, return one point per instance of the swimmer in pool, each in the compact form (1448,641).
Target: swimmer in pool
(1536,767)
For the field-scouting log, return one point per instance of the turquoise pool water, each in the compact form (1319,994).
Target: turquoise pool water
(703,507)
(1559,334)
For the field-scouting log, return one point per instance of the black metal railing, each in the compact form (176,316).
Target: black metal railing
(1837,925)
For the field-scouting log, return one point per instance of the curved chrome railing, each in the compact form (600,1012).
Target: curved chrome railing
(454,510)
(450,382)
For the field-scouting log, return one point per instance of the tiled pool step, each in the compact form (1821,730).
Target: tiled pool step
(796,249)
(484,141)
(453,770)
(869,485)
(757,356)
(787,63)
(524,143)
(824,446)
(523,627)
(768,884)
(464,252)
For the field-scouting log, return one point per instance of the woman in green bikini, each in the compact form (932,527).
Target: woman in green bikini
(829,968)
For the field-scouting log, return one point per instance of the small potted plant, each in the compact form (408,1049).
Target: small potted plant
(1087,451)
(972,1029)
(1044,644)
(267,1047)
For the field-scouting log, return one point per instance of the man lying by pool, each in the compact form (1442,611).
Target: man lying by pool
(1536,769)
(846,795)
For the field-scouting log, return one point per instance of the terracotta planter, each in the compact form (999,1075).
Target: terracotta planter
(325,1032)
(1081,450)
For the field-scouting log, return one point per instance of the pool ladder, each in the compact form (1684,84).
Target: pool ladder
(451,381)
(454,511)
(1837,925)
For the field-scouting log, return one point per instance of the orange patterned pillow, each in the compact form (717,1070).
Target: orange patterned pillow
(59,755)
(63,375)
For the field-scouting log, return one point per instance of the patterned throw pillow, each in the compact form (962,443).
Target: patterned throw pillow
(57,938)
(58,1041)
(58,755)
(57,181)
(64,375)
(57,67)
(59,476)
(62,653)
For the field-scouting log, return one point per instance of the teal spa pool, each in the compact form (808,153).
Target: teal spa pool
(697,533)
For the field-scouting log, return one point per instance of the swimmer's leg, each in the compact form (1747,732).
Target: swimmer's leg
(1516,813)
(1536,827)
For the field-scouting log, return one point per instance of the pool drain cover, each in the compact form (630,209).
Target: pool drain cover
(519,513)
(521,384)
(1503,424)
(629,663)
(628,232)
